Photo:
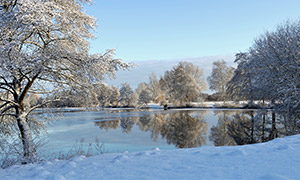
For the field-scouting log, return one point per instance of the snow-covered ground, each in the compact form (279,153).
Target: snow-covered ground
(278,159)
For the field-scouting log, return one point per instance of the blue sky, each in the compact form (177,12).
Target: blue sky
(174,29)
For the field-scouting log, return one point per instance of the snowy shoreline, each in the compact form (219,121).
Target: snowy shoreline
(277,159)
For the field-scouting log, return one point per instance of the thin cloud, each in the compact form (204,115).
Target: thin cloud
(144,69)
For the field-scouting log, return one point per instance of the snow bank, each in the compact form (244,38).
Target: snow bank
(278,159)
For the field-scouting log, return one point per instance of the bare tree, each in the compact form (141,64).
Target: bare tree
(220,76)
(44,47)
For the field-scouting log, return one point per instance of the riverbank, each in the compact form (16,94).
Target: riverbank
(277,159)
(213,105)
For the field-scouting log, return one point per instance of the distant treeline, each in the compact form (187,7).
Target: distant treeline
(181,85)
(268,72)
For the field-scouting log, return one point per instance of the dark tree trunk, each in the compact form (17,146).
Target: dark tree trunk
(252,127)
(273,133)
(263,128)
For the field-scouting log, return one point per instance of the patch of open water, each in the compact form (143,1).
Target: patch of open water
(138,130)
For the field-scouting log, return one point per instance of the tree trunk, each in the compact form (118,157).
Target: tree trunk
(29,149)
(273,133)
(263,128)
(223,94)
(252,127)
(224,129)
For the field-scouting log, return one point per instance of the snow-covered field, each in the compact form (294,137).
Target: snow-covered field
(278,159)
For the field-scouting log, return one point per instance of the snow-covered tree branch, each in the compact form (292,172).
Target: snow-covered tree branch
(270,69)
(44,46)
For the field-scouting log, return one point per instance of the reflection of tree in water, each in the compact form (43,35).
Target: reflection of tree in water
(145,122)
(247,127)
(158,122)
(291,123)
(241,129)
(109,124)
(187,128)
(123,120)
(153,123)
(127,123)
(219,134)
(184,131)
(181,129)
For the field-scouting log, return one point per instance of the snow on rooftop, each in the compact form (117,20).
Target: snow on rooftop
(277,159)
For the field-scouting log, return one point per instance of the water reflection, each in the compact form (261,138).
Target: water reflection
(248,127)
(219,134)
(127,124)
(186,129)
(182,129)
(110,124)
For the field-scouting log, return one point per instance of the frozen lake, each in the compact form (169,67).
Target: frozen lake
(138,130)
